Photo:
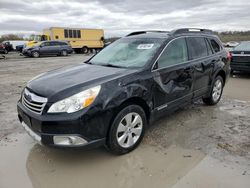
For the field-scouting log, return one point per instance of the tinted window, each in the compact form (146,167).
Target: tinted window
(74,34)
(70,33)
(66,33)
(197,47)
(175,53)
(53,44)
(209,48)
(46,44)
(215,45)
(79,33)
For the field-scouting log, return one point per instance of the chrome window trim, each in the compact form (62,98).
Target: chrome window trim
(241,55)
(152,68)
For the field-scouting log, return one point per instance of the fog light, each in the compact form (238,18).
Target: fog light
(69,140)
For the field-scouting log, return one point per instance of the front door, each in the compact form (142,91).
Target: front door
(173,76)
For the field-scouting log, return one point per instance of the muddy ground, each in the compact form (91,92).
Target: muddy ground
(197,146)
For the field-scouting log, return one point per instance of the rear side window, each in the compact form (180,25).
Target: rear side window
(197,47)
(174,54)
(209,48)
(216,47)
(62,43)
(53,44)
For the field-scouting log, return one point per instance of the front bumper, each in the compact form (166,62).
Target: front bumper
(26,52)
(62,131)
(240,66)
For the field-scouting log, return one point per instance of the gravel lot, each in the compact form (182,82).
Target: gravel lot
(197,146)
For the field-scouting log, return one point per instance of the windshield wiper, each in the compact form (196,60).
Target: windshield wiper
(112,65)
(88,62)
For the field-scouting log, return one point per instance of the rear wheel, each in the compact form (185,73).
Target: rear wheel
(215,94)
(64,53)
(127,130)
(35,54)
(85,49)
(6,51)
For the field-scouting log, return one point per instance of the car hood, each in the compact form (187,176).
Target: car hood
(73,78)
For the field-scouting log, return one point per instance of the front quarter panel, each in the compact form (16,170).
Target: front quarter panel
(137,85)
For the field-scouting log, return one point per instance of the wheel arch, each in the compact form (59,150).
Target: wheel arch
(221,73)
(136,101)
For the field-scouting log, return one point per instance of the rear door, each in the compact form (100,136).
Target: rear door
(200,57)
(173,76)
(55,47)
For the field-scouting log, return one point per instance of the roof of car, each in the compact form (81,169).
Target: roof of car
(173,33)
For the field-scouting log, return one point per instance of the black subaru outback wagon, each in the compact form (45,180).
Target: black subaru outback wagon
(111,98)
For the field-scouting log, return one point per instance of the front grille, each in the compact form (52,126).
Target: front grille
(33,102)
(241,59)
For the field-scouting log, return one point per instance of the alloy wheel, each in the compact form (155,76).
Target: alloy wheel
(217,90)
(129,130)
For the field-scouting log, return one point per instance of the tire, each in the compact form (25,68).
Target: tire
(85,50)
(128,127)
(216,92)
(232,72)
(6,51)
(35,54)
(64,53)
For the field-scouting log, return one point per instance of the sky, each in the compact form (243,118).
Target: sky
(119,17)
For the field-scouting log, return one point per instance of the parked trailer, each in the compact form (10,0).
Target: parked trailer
(80,39)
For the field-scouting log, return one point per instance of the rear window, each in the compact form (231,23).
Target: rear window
(216,47)
(243,46)
(197,47)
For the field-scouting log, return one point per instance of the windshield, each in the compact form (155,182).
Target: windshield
(38,44)
(35,37)
(243,46)
(128,53)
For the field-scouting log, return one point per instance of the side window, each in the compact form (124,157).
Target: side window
(70,33)
(74,34)
(45,44)
(197,47)
(79,33)
(66,33)
(51,43)
(216,47)
(209,49)
(174,54)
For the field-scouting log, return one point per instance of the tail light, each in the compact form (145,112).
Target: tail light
(229,56)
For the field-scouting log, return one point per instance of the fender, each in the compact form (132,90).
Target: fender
(126,92)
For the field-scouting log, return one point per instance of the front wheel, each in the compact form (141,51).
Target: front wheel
(35,54)
(215,94)
(127,130)
(6,51)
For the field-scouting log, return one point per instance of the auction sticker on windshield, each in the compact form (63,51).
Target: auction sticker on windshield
(145,46)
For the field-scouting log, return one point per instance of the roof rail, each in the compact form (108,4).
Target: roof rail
(148,31)
(191,30)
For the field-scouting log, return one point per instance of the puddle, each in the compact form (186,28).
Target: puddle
(37,166)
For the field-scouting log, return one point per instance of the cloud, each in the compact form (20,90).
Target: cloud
(118,17)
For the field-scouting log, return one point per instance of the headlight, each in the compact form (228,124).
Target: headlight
(76,102)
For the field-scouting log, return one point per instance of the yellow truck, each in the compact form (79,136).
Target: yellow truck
(80,39)
(33,39)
